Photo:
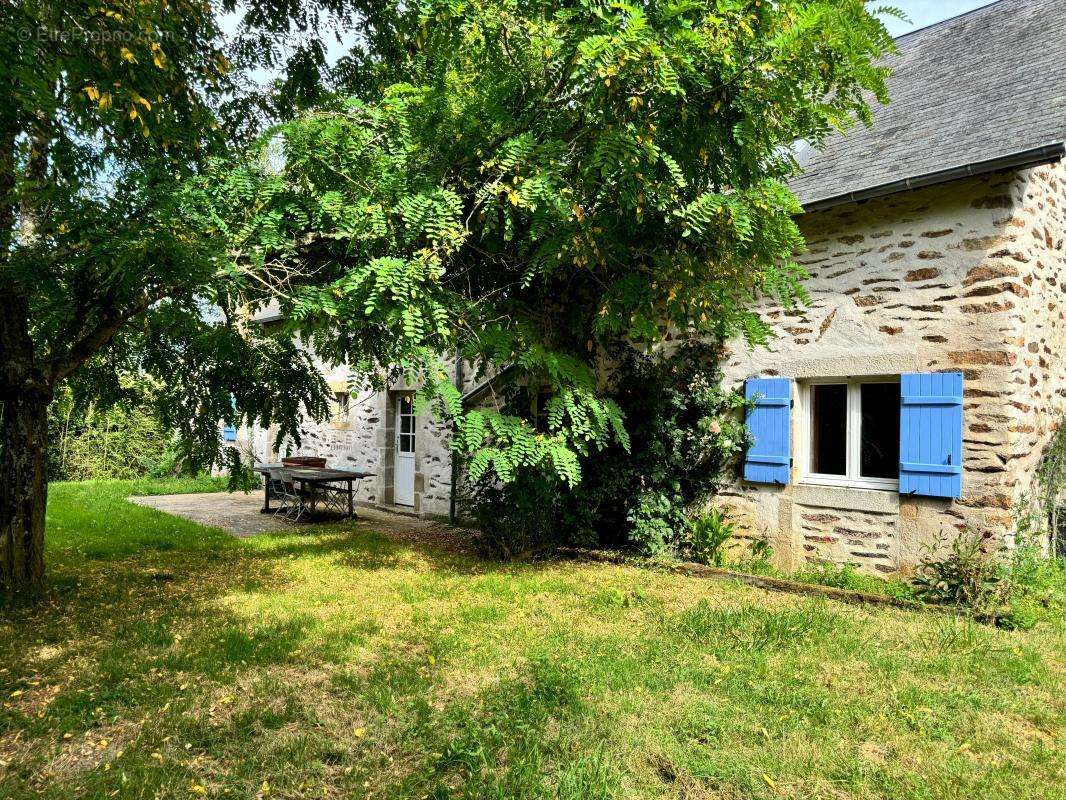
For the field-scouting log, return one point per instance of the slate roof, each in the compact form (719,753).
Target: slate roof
(966,95)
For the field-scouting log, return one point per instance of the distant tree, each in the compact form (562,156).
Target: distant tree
(528,182)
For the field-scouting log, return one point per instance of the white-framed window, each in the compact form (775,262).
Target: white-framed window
(849,432)
(341,408)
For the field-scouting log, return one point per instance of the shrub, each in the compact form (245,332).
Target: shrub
(1033,587)
(521,518)
(1015,588)
(967,576)
(684,430)
(124,440)
(708,537)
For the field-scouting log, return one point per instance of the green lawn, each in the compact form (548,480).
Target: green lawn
(173,661)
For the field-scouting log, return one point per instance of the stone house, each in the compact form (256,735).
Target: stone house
(379,432)
(914,395)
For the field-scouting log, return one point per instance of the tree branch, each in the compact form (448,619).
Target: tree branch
(100,335)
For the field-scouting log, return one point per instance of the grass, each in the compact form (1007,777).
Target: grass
(847,577)
(171,660)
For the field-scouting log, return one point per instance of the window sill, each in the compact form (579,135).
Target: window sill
(866,484)
(882,501)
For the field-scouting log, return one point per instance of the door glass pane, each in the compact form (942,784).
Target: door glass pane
(407,423)
(829,429)
(880,430)
(407,443)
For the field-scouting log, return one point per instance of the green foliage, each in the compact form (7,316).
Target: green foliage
(967,575)
(846,576)
(526,184)
(123,441)
(114,118)
(684,430)
(1014,587)
(756,561)
(1044,513)
(1033,587)
(708,536)
(521,518)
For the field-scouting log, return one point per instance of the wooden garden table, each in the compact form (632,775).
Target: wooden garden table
(313,478)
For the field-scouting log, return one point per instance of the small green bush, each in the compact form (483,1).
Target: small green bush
(967,576)
(521,518)
(1015,587)
(1033,587)
(708,537)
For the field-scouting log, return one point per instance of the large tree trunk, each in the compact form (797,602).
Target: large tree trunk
(23,491)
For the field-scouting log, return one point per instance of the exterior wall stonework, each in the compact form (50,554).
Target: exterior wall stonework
(963,276)
(364,440)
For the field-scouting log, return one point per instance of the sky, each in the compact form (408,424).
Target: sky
(925,12)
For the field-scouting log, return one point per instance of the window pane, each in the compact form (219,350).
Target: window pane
(880,430)
(407,423)
(407,443)
(829,429)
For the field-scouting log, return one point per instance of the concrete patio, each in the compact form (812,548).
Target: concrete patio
(238,514)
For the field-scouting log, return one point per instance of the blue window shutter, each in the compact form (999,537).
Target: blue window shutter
(930,434)
(229,432)
(770,424)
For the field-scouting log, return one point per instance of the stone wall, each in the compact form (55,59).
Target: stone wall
(962,276)
(364,440)
(1040,372)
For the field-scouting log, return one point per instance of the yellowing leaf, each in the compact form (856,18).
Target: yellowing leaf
(127,55)
(265,788)
(92,92)
(197,788)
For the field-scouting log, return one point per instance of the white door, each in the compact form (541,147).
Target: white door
(404,472)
